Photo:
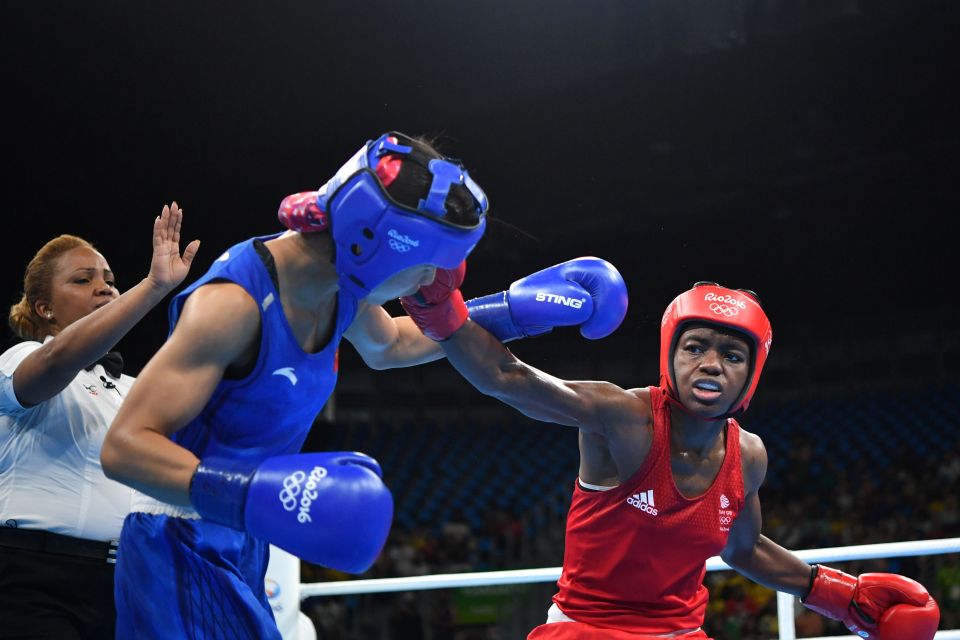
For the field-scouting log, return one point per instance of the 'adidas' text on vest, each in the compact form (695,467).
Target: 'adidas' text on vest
(643,501)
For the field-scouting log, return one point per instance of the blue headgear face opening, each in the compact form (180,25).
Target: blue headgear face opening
(376,236)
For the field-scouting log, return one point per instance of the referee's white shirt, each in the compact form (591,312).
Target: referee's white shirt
(50,474)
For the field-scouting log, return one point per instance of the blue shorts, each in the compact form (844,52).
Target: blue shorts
(180,578)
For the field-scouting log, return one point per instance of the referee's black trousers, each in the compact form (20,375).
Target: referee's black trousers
(46,595)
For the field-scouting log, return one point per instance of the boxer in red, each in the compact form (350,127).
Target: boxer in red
(667,477)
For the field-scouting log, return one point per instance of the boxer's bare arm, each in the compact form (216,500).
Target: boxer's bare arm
(489,366)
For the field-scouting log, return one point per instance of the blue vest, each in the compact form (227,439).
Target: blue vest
(270,411)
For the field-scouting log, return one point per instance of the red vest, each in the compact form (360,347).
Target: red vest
(634,557)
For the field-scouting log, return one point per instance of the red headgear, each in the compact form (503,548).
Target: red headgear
(733,308)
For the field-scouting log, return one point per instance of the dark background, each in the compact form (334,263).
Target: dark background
(807,150)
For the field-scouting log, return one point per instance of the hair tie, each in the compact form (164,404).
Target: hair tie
(388,168)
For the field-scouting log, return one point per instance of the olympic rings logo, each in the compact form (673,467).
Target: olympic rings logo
(725,520)
(723,309)
(399,247)
(291,489)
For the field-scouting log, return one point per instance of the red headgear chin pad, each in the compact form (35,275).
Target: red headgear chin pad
(724,307)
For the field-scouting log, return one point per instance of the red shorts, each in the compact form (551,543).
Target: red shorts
(580,631)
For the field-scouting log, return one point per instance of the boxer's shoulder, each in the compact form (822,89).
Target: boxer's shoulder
(629,421)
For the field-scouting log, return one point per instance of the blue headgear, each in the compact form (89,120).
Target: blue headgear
(376,236)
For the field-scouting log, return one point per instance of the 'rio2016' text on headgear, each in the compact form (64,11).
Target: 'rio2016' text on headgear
(710,303)
(375,235)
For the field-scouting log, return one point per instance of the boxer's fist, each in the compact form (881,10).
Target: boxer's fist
(588,292)
(438,308)
(328,508)
(885,606)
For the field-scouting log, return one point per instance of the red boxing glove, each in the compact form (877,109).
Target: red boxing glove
(885,606)
(438,308)
(299,212)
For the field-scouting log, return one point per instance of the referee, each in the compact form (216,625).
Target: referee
(59,515)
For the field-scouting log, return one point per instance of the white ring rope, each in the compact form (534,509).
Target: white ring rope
(551,574)
(785,602)
(941,635)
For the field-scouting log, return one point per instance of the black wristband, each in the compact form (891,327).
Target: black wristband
(814,568)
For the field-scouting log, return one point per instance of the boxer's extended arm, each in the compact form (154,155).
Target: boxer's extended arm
(387,343)
(585,292)
(490,367)
(565,294)
(600,296)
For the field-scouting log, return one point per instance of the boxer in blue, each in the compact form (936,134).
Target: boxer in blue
(210,432)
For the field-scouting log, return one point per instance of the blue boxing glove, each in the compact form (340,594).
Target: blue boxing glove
(328,508)
(589,292)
